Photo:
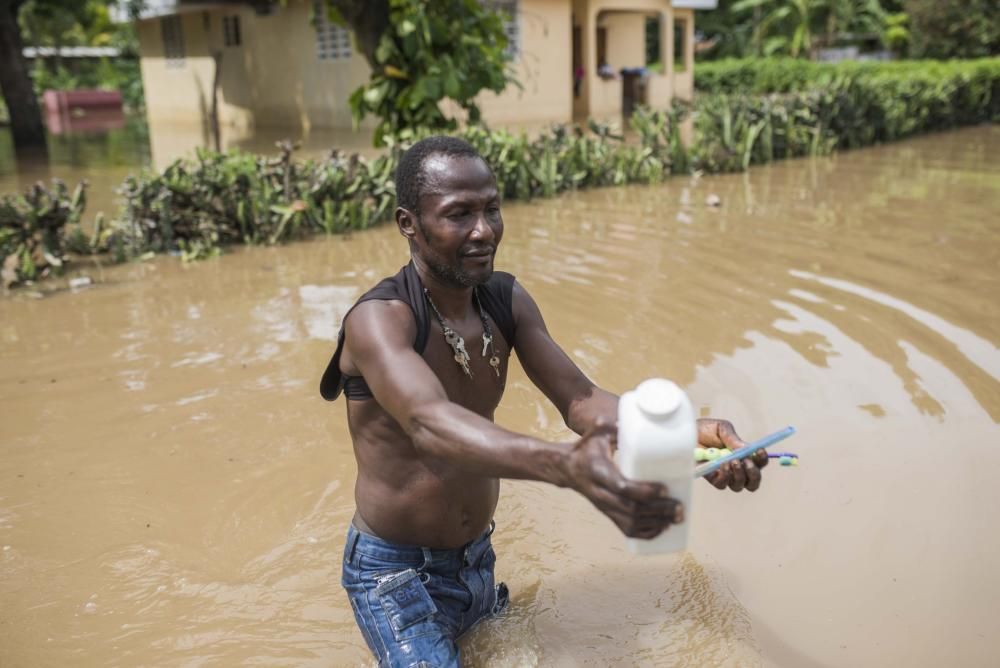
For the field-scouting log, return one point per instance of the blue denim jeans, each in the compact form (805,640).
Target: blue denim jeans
(412,603)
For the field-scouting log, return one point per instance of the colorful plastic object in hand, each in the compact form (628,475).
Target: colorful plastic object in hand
(742,453)
(785,458)
(710,454)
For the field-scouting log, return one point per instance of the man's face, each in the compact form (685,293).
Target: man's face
(459,225)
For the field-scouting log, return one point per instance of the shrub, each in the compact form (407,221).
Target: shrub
(760,75)
(865,103)
(31,229)
(735,131)
(225,198)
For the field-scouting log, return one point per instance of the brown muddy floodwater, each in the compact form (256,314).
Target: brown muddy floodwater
(174,492)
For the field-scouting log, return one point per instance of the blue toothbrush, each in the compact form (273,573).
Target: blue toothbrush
(743,453)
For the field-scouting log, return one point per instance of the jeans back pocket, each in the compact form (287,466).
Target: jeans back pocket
(405,602)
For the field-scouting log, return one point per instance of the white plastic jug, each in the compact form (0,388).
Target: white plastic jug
(657,435)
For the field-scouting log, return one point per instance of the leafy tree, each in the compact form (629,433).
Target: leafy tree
(421,53)
(786,28)
(739,28)
(728,32)
(45,23)
(853,18)
(897,34)
(954,28)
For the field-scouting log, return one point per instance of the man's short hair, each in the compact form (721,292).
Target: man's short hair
(411,178)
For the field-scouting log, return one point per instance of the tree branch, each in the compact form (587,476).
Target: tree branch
(368,19)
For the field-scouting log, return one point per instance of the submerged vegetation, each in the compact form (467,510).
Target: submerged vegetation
(201,204)
(32,227)
(196,206)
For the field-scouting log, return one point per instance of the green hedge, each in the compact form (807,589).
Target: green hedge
(849,104)
(786,75)
(760,75)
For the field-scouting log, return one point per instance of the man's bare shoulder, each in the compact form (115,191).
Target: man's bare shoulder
(379,317)
(376,323)
(524,307)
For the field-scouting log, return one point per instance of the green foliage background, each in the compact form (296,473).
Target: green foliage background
(451,49)
(955,28)
(55,23)
(919,28)
(197,206)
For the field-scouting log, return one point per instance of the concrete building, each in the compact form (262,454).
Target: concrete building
(284,65)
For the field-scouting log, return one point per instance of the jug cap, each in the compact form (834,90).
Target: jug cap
(658,397)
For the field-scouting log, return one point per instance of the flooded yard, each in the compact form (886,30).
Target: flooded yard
(105,157)
(174,492)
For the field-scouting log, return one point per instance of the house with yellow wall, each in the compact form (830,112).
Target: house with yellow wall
(284,65)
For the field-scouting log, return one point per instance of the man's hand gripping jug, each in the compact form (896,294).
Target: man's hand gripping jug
(657,435)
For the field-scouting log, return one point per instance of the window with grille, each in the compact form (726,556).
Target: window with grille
(172,32)
(231,31)
(333,42)
(511,24)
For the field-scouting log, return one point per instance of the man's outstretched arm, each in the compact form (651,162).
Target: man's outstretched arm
(584,404)
(380,337)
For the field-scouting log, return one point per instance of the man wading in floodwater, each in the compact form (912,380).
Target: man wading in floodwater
(422,358)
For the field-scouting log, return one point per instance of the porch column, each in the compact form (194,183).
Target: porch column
(667,45)
(588,50)
(580,25)
(689,43)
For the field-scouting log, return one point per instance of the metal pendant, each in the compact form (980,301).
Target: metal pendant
(457,344)
(463,361)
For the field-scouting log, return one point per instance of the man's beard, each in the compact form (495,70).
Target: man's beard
(456,277)
(451,275)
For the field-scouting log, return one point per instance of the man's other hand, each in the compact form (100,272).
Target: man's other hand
(639,509)
(738,475)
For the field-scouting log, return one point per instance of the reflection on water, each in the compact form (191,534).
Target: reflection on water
(173,491)
(103,158)
(977,349)
(104,153)
(93,121)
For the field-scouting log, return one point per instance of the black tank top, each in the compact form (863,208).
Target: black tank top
(496,296)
